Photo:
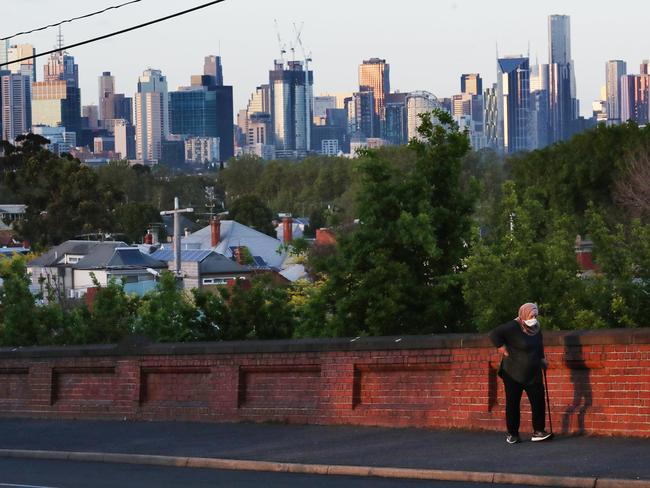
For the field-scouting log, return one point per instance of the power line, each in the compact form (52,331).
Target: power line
(112,34)
(69,20)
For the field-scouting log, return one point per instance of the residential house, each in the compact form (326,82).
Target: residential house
(129,265)
(204,268)
(228,237)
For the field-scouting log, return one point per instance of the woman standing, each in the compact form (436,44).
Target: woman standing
(521,343)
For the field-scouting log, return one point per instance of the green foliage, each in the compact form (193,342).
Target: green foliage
(529,256)
(166,315)
(398,271)
(250,210)
(19,324)
(258,309)
(568,176)
(620,292)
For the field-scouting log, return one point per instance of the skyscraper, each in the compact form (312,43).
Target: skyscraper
(56,101)
(106,92)
(417,103)
(291,108)
(374,76)
(615,70)
(634,98)
(513,91)
(10,53)
(563,104)
(205,109)
(151,115)
(15,100)
(212,67)
(471,84)
(540,105)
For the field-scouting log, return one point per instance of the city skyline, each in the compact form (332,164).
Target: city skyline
(247,42)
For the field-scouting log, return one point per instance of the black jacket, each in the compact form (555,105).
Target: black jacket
(524,363)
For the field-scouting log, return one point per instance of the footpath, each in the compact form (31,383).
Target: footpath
(585,461)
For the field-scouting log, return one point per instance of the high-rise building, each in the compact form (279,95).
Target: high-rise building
(540,127)
(563,104)
(514,114)
(615,70)
(212,67)
(202,150)
(634,98)
(361,114)
(151,115)
(205,109)
(15,103)
(90,117)
(471,84)
(291,108)
(25,67)
(61,140)
(124,134)
(374,76)
(321,104)
(396,127)
(417,103)
(106,92)
(491,117)
(56,101)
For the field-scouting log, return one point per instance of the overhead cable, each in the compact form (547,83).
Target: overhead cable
(112,34)
(69,20)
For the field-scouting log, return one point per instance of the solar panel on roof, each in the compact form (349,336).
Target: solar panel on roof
(186,255)
(260,262)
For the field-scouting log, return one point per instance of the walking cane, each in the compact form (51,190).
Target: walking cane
(548,402)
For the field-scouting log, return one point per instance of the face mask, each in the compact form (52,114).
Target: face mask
(531,322)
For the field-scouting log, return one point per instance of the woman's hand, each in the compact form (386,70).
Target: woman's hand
(544,363)
(503,350)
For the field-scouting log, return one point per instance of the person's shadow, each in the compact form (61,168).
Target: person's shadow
(580,378)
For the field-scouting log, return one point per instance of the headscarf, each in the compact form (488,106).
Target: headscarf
(524,312)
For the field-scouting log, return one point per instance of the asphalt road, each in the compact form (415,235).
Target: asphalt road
(31,473)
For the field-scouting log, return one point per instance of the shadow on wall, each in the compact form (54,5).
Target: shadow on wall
(581,381)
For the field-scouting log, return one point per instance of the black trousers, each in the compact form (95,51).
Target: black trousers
(535,393)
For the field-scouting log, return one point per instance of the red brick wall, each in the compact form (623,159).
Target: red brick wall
(599,382)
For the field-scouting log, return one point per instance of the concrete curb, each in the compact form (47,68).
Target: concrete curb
(325,469)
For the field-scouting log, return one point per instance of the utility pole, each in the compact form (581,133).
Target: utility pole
(177,232)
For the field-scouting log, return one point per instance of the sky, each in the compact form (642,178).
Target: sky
(428,43)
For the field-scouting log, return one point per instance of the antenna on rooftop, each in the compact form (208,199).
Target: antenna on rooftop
(59,40)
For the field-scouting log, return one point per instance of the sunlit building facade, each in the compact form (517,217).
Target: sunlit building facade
(374,76)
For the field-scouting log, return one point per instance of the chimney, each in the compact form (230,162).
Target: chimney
(154,236)
(287,225)
(187,232)
(215,225)
(238,255)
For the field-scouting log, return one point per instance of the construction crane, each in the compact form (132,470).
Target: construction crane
(307,57)
(281,45)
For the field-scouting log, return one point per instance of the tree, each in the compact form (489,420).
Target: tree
(19,324)
(63,199)
(528,257)
(620,292)
(259,309)
(399,270)
(251,211)
(166,314)
(632,189)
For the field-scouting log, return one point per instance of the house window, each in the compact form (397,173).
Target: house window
(215,281)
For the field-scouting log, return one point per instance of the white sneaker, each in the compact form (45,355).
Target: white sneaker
(540,435)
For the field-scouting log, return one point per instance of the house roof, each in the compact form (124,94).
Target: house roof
(103,257)
(234,234)
(209,261)
(10,208)
(168,222)
(80,248)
